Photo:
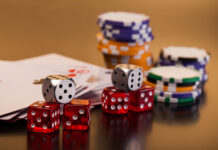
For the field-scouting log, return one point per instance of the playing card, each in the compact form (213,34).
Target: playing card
(20,81)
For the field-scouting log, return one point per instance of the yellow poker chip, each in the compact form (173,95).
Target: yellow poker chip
(105,41)
(145,60)
(114,50)
(121,48)
(171,89)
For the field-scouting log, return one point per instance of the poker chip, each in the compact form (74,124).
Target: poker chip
(114,50)
(158,82)
(189,57)
(144,35)
(125,38)
(180,74)
(144,29)
(145,60)
(185,54)
(174,74)
(171,88)
(122,19)
(173,100)
(101,39)
(190,94)
(174,84)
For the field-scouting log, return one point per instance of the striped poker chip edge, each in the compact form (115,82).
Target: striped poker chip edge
(163,83)
(172,53)
(119,18)
(173,100)
(152,73)
(191,94)
(171,88)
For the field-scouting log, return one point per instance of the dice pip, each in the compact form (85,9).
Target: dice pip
(76,115)
(58,88)
(127,77)
(142,99)
(43,117)
(114,101)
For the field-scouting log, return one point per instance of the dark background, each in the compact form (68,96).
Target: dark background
(34,27)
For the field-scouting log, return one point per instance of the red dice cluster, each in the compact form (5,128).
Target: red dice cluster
(125,96)
(44,116)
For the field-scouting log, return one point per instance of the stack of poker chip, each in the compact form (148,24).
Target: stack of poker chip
(125,39)
(174,84)
(190,57)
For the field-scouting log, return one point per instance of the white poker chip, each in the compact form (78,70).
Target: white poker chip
(174,74)
(176,53)
(125,18)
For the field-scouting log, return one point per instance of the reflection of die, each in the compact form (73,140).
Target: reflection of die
(127,77)
(58,88)
(142,99)
(75,140)
(76,115)
(38,141)
(43,117)
(140,123)
(114,101)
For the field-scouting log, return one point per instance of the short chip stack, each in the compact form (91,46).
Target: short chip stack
(174,84)
(125,38)
(190,57)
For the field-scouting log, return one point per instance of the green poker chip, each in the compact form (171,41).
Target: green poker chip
(173,100)
(174,74)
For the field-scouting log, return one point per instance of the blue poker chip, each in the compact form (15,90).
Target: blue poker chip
(147,30)
(125,39)
(166,94)
(129,28)
(129,37)
(197,66)
(122,19)
(194,65)
(120,24)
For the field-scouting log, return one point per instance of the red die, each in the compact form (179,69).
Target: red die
(43,117)
(39,141)
(142,99)
(77,115)
(114,101)
(75,140)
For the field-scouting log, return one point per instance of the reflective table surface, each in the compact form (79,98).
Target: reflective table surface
(68,27)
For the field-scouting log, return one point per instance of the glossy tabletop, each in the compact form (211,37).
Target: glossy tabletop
(68,27)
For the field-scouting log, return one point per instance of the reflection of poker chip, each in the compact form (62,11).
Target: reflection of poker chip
(185,54)
(174,74)
(176,112)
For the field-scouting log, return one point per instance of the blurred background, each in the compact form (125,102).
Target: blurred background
(68,27)
(31,28)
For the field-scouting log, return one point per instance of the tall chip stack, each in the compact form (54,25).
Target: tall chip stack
(174,84)
(125,39)
(190,57)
